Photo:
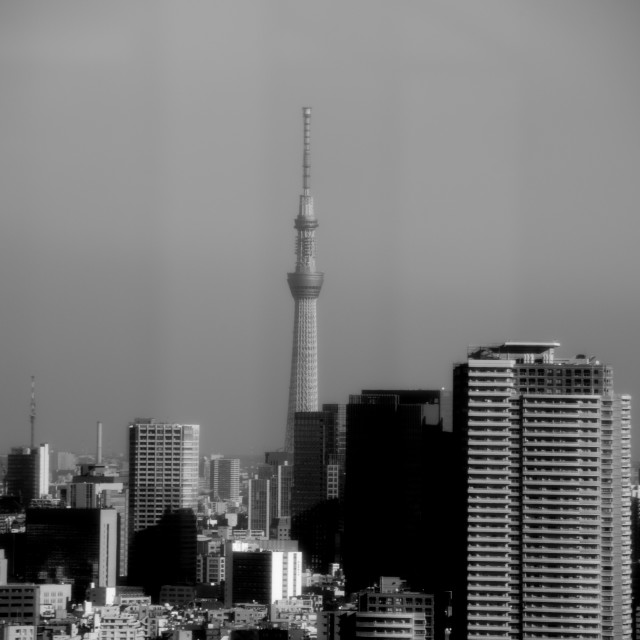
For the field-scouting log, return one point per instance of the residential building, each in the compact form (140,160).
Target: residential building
(547,452)
(383,614)
(163,472)
(20,603)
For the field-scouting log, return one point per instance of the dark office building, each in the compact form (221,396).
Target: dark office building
(399,473)
(27,475)
(165,554)
(318,478)
(72,545)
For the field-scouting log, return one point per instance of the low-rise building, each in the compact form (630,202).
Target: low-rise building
(15,631)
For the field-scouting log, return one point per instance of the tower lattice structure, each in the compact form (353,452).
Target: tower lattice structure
(305,284)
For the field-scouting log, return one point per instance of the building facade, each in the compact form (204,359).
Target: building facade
(398,469)
(305,284)
(28,473)
(72,545)
(225,478)
(547,445)
(163,470)
(262,576)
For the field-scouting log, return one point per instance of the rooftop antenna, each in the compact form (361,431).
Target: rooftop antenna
(306,159)
(32,415)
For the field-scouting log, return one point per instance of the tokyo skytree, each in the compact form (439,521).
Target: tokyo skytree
(305,284)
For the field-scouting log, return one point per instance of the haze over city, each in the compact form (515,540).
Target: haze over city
(475,175)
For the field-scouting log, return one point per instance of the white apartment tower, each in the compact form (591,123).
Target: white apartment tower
(163,470)
(548,495)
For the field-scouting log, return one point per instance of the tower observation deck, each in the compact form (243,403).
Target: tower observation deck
(305,284)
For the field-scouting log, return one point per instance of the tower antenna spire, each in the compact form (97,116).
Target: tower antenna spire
(32,413)
(306,158)
(305,284)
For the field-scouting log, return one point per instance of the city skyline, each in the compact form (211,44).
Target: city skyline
(474,169)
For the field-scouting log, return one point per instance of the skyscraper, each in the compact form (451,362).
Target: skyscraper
(305,284)
(316,505)
(547,447)
(163,459)
(225,478)
(398,479)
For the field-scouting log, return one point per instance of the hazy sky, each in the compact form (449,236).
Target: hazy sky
(476,174)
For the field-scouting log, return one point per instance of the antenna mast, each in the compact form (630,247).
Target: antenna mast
(32,415)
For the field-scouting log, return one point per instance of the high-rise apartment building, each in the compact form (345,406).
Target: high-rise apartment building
(547,448)
(163,470)
(305,284)
(225,478)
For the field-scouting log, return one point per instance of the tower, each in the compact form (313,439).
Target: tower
(547,448)
(225,478)
(163,459)
(305,284)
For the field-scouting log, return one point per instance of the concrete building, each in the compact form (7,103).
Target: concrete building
(305,284)
(53,599)
(17,631)
(20,603)
(163,473)
(381,614)
(547,449)
(26,603)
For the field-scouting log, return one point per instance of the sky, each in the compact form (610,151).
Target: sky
(475,171)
